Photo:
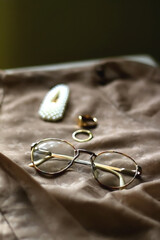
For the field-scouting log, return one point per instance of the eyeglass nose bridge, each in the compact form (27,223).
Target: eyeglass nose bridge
(78,151)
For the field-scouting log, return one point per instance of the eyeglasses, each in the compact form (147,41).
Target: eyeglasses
(111,169)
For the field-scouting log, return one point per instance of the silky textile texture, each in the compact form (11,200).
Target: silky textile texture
(125,98)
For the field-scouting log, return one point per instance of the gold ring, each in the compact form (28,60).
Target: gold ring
(90,136)
(87,121)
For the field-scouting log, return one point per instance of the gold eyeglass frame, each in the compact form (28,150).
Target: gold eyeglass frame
(137,171)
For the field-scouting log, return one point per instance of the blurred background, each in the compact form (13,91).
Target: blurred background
(40,32)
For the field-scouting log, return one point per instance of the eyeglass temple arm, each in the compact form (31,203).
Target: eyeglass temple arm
(98,165)
(106,168)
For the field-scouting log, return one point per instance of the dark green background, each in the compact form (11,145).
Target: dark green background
(35,32)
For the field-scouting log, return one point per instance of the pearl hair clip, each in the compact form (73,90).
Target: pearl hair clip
(53,106)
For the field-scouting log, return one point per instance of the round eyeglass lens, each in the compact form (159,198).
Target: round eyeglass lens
(52,155)
(114,170)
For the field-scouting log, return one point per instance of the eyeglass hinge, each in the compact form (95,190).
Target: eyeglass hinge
(139,172)
(33,145)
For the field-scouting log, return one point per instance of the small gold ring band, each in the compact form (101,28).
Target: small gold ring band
(90,136)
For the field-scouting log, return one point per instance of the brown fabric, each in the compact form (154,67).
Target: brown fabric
(125,98)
